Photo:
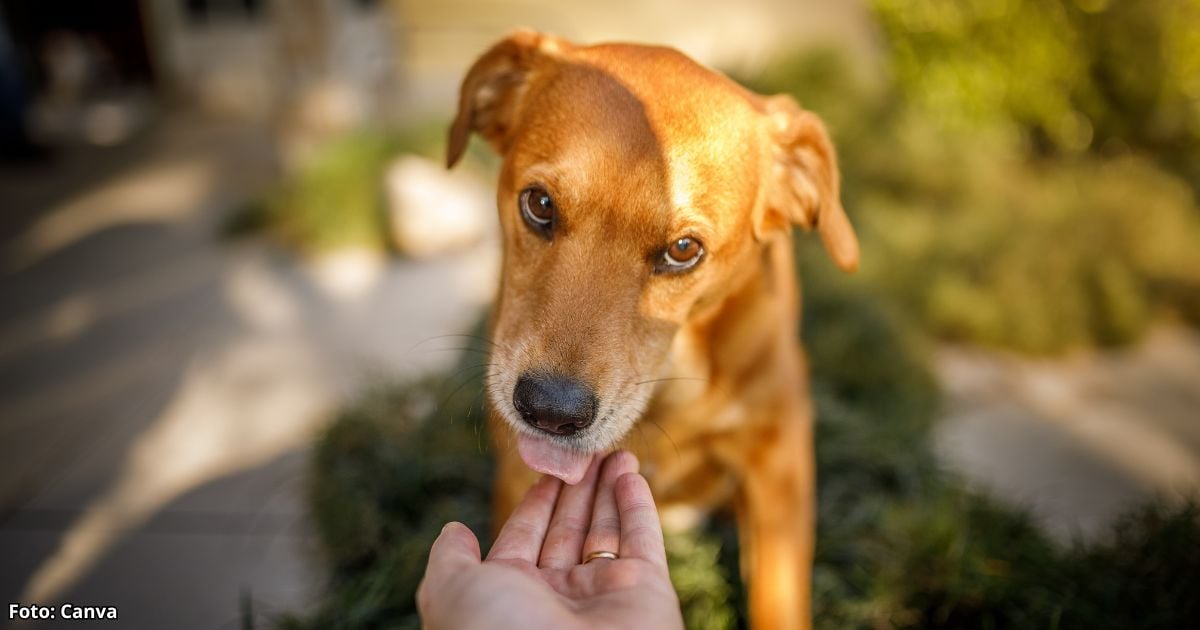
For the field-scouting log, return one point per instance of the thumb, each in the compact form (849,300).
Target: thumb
(455,549)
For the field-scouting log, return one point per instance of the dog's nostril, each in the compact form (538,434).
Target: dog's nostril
(554,403)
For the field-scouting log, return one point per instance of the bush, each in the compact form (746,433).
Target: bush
(1073,74)
(1040,257)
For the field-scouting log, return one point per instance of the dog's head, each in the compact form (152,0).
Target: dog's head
(637,191)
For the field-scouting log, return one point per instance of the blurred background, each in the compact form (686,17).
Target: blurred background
(238,387)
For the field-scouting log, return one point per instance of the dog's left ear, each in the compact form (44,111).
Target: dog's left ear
(802,186)
(492,92)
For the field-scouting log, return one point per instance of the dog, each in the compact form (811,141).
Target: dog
(648,282)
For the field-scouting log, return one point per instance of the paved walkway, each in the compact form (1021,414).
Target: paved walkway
(1077,440)
(158,387)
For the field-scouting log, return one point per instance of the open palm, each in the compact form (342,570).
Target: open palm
(534,577)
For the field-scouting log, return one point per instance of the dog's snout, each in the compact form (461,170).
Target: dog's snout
(554,404)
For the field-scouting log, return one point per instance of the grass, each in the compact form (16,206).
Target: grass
(334,201)
(900,544)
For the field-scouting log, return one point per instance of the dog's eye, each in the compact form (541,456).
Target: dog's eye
(682,255)
(538,210)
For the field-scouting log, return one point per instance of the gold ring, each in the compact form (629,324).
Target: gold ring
(607,555)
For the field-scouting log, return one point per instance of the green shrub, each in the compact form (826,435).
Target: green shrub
(706,590)
(1073,74)
(336,199)
(1039,257)
(978,240)
(1153,559)
(386,475)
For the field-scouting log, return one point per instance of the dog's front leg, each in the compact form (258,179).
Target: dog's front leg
(776,526)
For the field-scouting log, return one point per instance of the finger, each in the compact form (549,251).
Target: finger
(604,534)
(641,533)
(569,525)
(456,548)
(522,536)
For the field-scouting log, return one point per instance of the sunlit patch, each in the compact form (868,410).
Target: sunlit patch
(226,416)
(347,275)
(239,405)
(259,298)
(166,193)
(70,317)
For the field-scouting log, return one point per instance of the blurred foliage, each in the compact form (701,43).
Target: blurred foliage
(1077,74)
(978,235)
(386,476)
(336,199)
(706,592)
(1039,257)
(900,543)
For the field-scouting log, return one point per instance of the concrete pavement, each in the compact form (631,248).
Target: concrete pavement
(158,387)
(1077,440)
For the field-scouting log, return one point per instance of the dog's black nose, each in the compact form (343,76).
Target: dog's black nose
(554,404)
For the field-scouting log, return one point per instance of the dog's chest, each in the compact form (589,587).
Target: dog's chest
(680,460)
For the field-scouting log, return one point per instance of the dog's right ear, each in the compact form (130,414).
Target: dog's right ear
(490,101)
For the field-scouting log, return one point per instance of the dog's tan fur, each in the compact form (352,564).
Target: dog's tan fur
(698,373)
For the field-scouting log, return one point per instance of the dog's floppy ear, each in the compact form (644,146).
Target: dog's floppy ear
(490,100)
(802,187)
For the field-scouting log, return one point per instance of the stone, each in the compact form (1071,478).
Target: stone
(432,211)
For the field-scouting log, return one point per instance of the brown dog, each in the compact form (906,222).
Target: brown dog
(647,205)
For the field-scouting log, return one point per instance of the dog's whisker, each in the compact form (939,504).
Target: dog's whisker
(462,335)
(510,443)
(459,349)
(469,377)
(670,439)
(463,370)
(673,378)
(477,402)
(642,437)
(478,442)
(716,386)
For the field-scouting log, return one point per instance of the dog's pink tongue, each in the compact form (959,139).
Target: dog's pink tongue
(549,458)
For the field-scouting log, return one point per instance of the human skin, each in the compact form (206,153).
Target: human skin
(534,576)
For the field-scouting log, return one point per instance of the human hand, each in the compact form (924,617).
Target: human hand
(534,576)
